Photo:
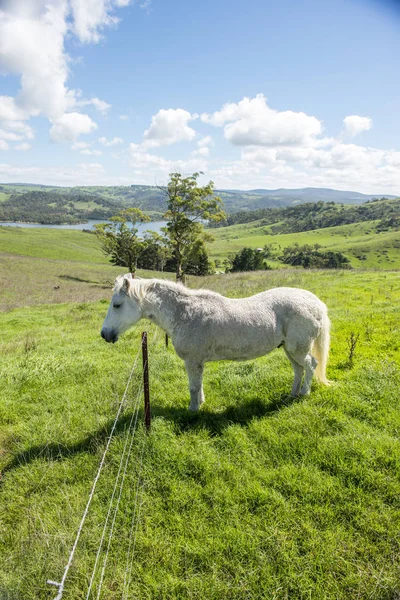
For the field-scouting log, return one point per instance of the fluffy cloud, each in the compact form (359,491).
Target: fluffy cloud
(92,16)
(100,105)
(32,45)
(80,145)
(23,147)
(12,126)
(9,111)
(82,174)
(355,124)
(91,152)
(251,122)
(9,135)
(205,141)
(151,166)
(70,126)
(169,126)
(113,142)
(32,37)
(4,145)
(202,151)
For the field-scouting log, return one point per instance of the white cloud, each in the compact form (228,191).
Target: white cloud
(100,105)
(23,147)
(169,126)
(32,37)
(123,117)
(10,135)
(91,17)
(91,152)
(150,165)
(113,142)
(355,124)
(9,111)
(32,45)
(81,174)
(12,126)
(80,145)
(4,145)
(251,122)
(70,126)
(205,141)
(202,151)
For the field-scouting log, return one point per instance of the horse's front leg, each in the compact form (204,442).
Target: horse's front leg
(195,372)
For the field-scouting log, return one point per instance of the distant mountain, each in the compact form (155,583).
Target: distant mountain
(239,200)
(82,202)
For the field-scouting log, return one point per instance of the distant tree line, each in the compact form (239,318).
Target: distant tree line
(319,215)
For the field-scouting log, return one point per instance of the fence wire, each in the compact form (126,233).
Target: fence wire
(114,500)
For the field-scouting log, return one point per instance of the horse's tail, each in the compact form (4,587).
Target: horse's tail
(321,349)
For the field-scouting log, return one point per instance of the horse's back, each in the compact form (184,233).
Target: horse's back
(224,328)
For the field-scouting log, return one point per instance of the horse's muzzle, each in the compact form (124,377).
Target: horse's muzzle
(110,336)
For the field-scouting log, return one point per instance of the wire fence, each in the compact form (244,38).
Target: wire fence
(97,577)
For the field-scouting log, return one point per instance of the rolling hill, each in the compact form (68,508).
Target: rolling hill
(26,202)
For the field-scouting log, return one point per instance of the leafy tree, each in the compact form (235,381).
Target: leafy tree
(188,205)
(156,252)
(197,262)
(121,242)
(249,259)
(311,257)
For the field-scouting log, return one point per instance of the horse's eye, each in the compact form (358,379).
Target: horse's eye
(116,306)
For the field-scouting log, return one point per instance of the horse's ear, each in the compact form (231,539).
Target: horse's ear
(126,284)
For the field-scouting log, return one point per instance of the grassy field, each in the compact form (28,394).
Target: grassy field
(359,242)
(257,496)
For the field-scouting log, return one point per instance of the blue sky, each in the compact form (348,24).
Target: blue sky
(255,94)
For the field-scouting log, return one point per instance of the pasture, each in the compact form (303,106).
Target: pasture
(256,496)
(358,241)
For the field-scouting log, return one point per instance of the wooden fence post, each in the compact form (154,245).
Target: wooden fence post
(146,388)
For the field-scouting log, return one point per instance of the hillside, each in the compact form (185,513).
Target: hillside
(360,242)
(257,496)
(54,207)
(50,204)
(310,194)
(368,234)
(308,216)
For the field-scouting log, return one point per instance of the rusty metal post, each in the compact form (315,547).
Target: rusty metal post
(146,389)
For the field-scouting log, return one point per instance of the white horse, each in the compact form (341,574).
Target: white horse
(205,326)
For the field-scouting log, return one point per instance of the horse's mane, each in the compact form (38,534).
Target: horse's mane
(139,288)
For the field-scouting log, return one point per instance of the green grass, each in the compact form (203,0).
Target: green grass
(359,241)
(57,244)
(256,497)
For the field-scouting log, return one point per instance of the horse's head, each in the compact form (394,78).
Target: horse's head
(124,310)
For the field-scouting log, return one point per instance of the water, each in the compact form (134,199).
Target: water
(152,225)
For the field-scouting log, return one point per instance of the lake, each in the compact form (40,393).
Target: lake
(152,225)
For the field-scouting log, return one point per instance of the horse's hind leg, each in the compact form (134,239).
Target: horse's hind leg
(195,374)
(302,357)
(309,367)
(298,375)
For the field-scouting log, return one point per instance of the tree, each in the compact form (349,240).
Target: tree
(156,252)
(249,259)
(121,242)
(188,205)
